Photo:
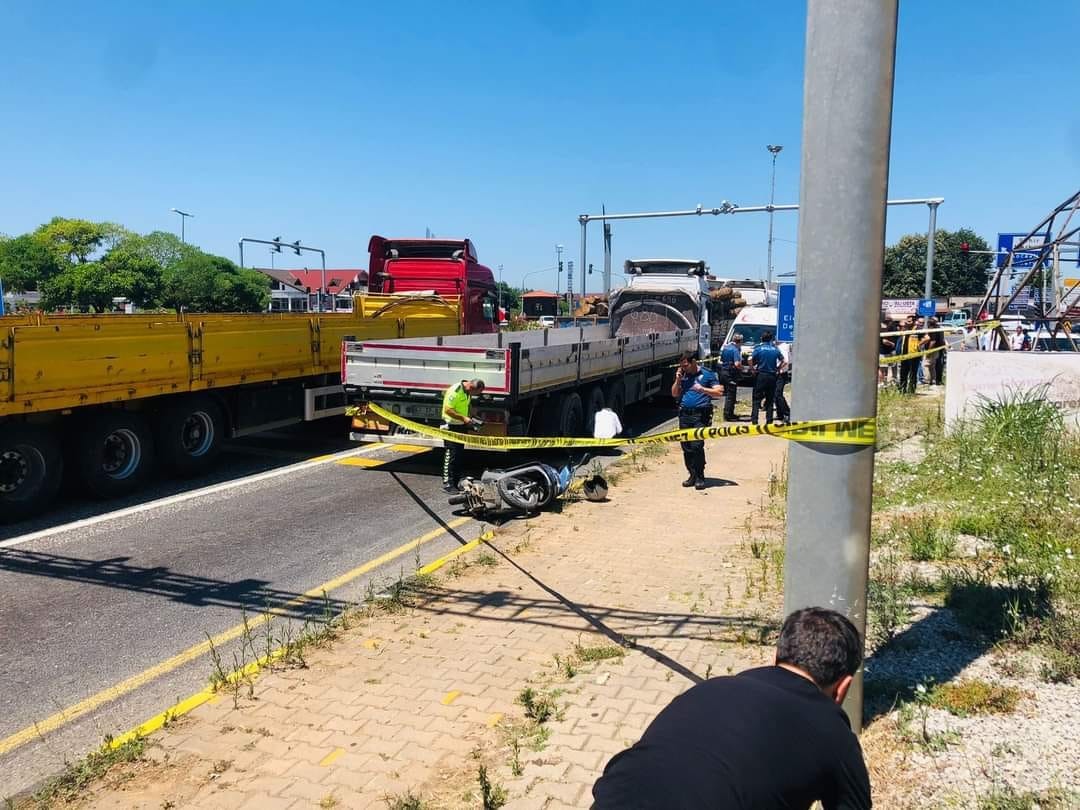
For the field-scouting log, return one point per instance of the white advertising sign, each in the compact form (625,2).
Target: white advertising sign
(992,375)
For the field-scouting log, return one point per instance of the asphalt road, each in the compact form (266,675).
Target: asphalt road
(87,606)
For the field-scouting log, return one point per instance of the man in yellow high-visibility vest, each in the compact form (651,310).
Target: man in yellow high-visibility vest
(455,414)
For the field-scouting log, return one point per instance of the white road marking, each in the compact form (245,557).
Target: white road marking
(187,496)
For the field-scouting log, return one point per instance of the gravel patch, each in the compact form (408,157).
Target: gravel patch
(1035,748)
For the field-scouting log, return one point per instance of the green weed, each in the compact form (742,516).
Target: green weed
(78,775)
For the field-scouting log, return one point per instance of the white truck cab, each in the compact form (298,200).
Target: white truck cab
(664,294)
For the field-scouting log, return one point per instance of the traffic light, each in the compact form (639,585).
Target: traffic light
(560,265)
(296,247)
(277,245)
(590,268)
(965,247)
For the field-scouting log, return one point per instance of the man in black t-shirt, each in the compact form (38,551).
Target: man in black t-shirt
(772,737)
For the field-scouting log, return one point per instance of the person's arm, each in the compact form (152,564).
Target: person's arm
(676,387)
(715,391)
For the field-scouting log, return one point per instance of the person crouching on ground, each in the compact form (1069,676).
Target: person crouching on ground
(771,737)
(694,389)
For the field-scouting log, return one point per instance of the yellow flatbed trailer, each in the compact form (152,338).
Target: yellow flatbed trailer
(120,393)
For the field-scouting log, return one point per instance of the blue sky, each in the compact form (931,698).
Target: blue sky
(504,121)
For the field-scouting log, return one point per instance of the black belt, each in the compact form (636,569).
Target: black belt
(683,409)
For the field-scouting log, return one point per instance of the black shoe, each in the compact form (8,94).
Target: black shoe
(689,482)
(450,489)
(699,484)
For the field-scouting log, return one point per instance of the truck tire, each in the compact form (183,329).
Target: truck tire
(188,433)
(615,396)
(114,452)
(594,401)
(571,416)
(31,468)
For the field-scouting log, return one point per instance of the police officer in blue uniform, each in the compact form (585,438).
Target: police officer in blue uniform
(694,389)
(767,362)
(730,368)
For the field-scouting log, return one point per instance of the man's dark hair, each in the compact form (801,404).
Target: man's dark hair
(766,336)
(822,643)
(687,357)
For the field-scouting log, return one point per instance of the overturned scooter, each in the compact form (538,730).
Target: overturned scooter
(522,490)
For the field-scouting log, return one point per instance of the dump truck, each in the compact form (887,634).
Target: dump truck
(546,382)
(103,399)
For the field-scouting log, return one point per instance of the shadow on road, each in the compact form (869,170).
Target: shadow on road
(239,458)
(252,595)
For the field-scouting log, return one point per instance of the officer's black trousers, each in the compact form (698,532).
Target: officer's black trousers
(783,410)
(693,453)
(731,391)
(764,391)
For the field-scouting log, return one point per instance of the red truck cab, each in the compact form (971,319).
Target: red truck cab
(442,266)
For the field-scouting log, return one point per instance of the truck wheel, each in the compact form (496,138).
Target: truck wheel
(571,417)
(31,467)
(615,396)
(188,433)
(594,402)
(114,452)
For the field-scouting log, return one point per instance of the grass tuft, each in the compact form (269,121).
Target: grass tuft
(966,698)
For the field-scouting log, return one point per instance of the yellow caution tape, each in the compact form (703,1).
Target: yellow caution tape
(896,358)
(974,325)
(832,431)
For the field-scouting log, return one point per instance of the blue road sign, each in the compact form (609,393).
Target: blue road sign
(927,307)
(1023,258)
(785,313)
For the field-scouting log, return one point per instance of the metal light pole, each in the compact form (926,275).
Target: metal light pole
(931,237)
(847,116)
(183,219)
(775,150)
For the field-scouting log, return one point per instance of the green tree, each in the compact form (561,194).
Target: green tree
(955,272)
(77,240)
(164,248)
(25,263)
(511,297)
(201,282)
(93,285)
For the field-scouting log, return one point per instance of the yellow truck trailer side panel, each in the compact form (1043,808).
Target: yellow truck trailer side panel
(67,361)
(56,360)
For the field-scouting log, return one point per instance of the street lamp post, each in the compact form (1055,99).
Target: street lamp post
(183,219)
(774,150)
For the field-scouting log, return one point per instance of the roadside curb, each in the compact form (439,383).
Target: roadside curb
(209,693)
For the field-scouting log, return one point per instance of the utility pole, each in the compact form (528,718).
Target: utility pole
(847,116)
(775,150)
(607,259)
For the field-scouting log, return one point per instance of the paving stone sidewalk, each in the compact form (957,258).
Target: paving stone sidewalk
(604,611)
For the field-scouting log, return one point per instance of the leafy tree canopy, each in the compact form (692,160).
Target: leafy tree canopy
(25,263)
(86,265)
(955,272)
